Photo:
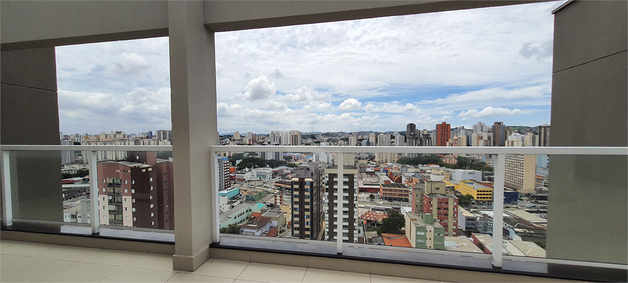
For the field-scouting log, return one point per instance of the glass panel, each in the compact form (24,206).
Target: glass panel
(573,207)
(272,194)
(137,189)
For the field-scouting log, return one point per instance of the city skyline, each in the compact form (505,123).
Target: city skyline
(349,76)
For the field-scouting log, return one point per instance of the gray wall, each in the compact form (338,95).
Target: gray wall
(29,116)
(587,218)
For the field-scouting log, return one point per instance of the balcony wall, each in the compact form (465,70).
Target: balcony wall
(588,215)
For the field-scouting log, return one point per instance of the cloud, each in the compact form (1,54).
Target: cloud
(489,111)
(392,107)
(273,105)
(226,110)
(305,94)
(277,74)
(538,51)
(350,104)
(258,89)
(130,64)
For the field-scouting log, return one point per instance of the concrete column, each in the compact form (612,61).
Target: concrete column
(193,96)
(587,216)
(30,116)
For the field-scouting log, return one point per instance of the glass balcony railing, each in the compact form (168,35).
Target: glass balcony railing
(471,207)
(129,188)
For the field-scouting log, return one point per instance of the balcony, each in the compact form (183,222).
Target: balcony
(581,68)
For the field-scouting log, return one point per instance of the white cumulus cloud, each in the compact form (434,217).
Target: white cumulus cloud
(258,89)
(350,104)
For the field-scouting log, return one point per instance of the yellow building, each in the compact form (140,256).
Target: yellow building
(479,192)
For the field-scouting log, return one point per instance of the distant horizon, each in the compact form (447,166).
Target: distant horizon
(302,132)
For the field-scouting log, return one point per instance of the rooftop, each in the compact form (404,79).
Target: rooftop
(396,240)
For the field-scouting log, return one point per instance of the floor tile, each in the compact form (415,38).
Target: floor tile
(272,273)
(319,275)
(131,274)
(80,272)
(248,281)
(153,261)
(188,277)
(31,269)
(221,268)
(8,260)
(27,249)
(67,253)
(6,243)
(112,257)
(390,279)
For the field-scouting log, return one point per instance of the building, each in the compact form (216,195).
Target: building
(412,138)
(520,173)
(443,132)
(499,134)
(462,174)
(224,179)
(425,187)
(349,199)
(444,209)
(467,221)
(394,192)
(424,232)
(137,193)
(476,190)
(544,135)
(308,216)
(461,244)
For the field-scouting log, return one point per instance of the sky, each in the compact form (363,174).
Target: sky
(459,67)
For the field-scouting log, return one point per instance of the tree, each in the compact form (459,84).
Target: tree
(231,229)
(465,200)
(394,223)
(372,197)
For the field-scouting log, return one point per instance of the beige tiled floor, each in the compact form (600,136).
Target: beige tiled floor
(32,262)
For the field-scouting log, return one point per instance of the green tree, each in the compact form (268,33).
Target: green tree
(465,200)
(394,223)
(231,229)
(372,197)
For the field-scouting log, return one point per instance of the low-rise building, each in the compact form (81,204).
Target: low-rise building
(394,192)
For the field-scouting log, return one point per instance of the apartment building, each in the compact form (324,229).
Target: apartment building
(443,133)
(137,193)
(308,215)
(444,209)
(520,173)
(349,199)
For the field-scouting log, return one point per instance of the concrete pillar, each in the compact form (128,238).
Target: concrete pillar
(30,116)
(587,217)
(193,96)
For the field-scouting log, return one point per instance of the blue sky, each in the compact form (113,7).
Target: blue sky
(461,67)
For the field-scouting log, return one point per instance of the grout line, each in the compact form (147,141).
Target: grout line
(247,266)
(112,273)
(173,274)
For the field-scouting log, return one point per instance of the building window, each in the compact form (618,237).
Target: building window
(152,223)
(152,214)
(151,187)
(126,181)
(151,197)
(126,218)
(104,190)
(132,191)
(133,201)
(126,209)
(133,209)
(133,182)
(151,179)
(134,219)
(151,205)
(126,191)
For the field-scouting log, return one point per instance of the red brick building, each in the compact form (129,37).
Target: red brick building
(444,208)
(137,192)
(443,132)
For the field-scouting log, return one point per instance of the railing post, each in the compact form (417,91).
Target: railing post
(498,210)
(7,207)
(339,201)
(93,191)
(215,200)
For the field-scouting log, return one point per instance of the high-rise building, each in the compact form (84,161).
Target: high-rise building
(308,215)
(499,134)
(480,128)
(520,172)
(443,132)
(399,140)
(164,135)
(412,138)
(426,138)
(544,135)
(137,192)
(353,139)
(224,182)
(67,156)
(295,138)
(372,139)
(349,199)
